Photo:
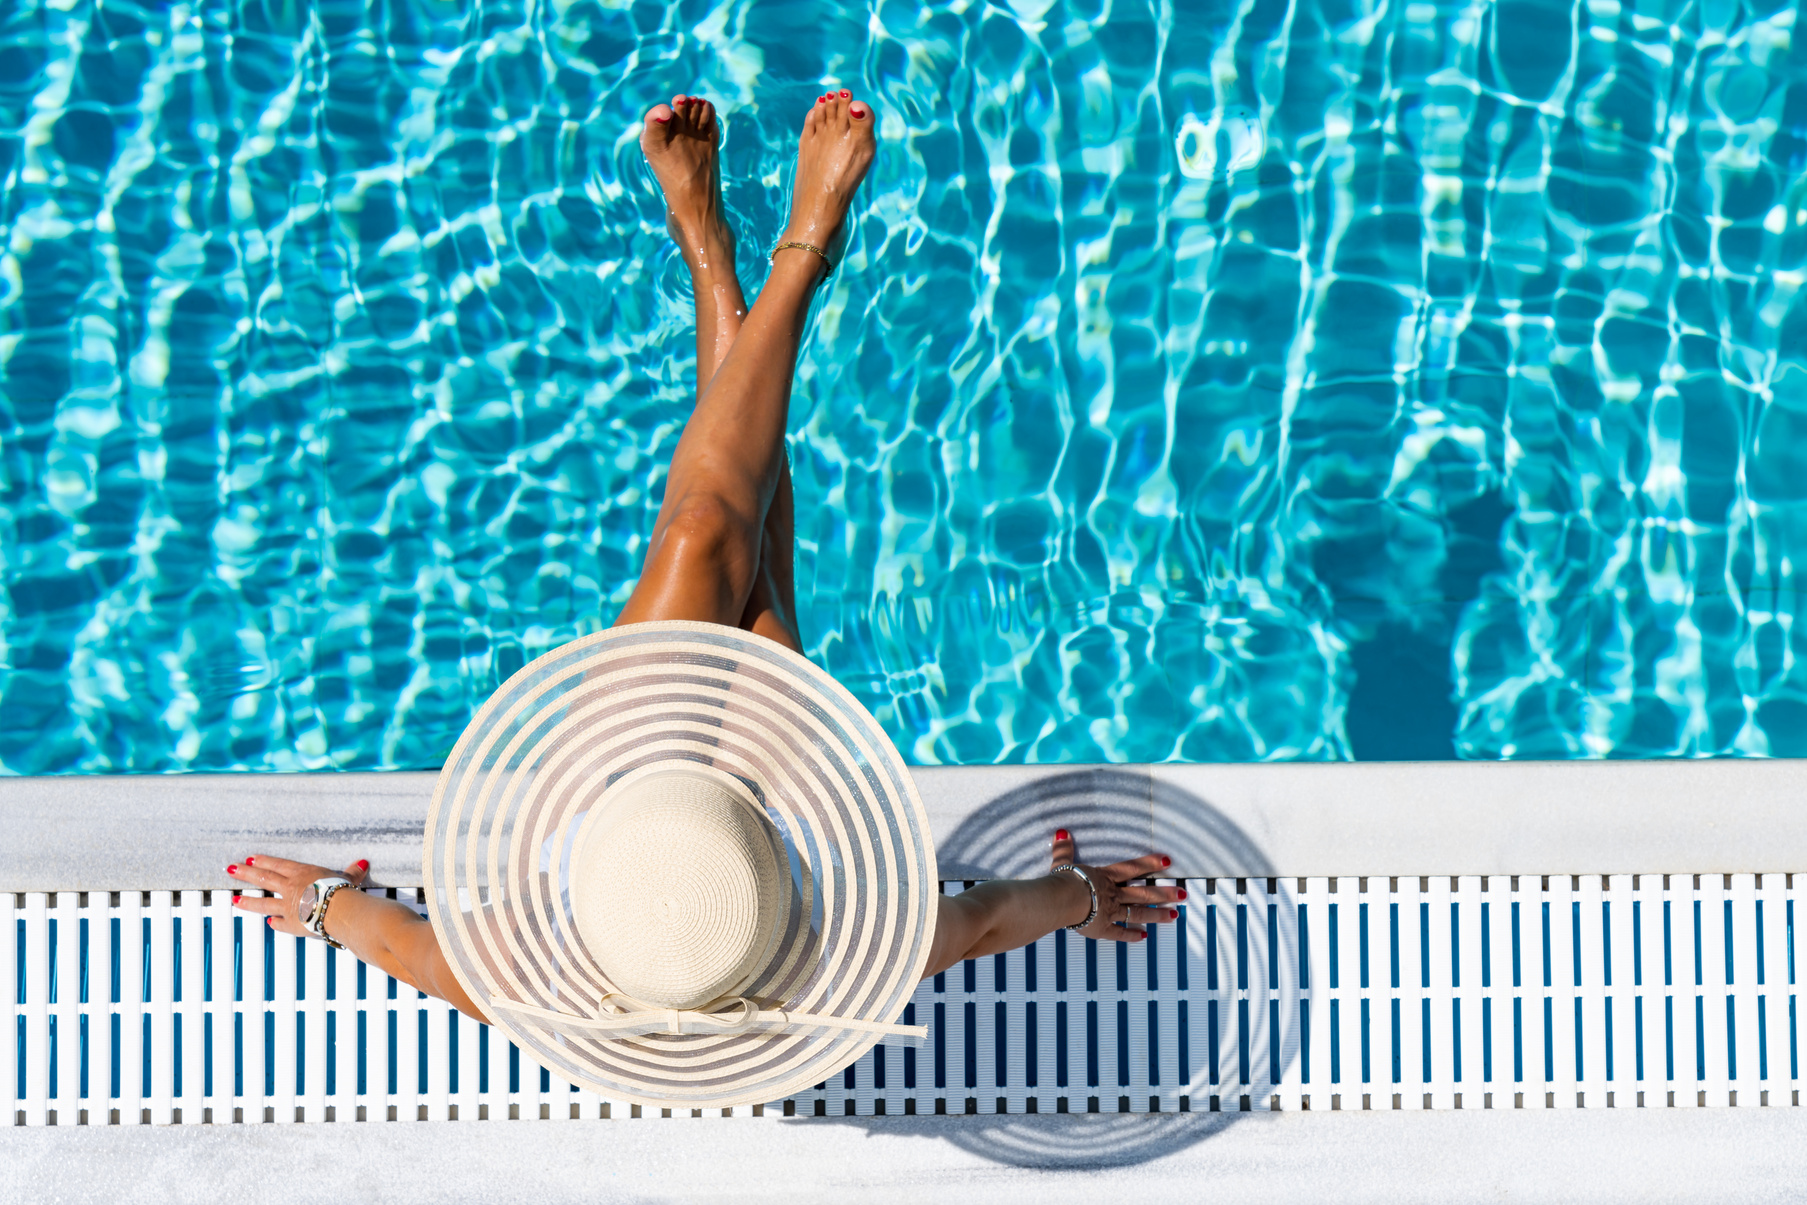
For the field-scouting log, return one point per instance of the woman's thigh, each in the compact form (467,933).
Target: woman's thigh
(714,569)
(771,609)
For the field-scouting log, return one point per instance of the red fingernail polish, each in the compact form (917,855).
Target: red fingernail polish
(250,861)
(237,898)
(1173,914)
(232,869)
(1166,862)
(270,920)
(1182,893)
(1060,834)
(364,864)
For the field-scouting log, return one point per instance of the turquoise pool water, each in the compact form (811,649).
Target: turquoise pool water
(1205,381)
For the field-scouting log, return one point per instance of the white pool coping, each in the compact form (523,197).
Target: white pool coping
(1369,818)
(1747,1156)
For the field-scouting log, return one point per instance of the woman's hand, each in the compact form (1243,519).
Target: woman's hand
(387,934)
(1124,910)
(287,879)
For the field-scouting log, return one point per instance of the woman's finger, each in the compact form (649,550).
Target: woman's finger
(1152,916)
(1150,895)
(1138,868)
(272,863)
(1137,914)
(1065,850)
(257,876)
(263,905)
(357,871)
(1117,933)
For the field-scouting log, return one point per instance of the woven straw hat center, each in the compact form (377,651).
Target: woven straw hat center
(678,886)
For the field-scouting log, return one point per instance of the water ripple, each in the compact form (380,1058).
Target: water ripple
(1213,381)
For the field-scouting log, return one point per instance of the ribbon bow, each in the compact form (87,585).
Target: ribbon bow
(723,1022)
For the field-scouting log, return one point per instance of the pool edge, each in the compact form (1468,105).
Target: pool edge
(130,832)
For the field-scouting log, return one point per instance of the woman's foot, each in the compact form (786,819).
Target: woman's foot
(680,141)
(835,150)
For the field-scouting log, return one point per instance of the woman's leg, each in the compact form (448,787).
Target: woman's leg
(715,555)
(682,143)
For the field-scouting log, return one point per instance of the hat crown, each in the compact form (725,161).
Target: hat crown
(678,887)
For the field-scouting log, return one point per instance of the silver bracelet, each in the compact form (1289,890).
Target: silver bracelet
(312,905)
(1087,880)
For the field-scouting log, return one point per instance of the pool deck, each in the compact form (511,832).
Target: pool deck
(1371,818)
(1748,1156)
(164,832)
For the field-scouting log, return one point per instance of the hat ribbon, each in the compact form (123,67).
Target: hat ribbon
(719,1023)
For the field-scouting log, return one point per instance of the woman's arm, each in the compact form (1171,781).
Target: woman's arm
(1007,913)
(989,919)
(385,933)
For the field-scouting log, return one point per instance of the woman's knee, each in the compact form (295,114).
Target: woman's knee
(704,534)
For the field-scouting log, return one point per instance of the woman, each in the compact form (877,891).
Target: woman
(721,548)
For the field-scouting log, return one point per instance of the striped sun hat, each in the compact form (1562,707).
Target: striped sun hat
(679,865)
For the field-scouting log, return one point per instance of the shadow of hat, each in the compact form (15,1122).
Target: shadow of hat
(1111,813)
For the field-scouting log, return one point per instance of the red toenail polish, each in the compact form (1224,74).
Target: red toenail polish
(1060,834)
(1166,861)
(845,94)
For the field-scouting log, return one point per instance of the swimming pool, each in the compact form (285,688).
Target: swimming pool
(1204,382)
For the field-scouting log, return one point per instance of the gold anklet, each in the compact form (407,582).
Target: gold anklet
(804,247)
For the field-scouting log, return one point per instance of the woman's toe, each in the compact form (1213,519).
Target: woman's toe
(660,114)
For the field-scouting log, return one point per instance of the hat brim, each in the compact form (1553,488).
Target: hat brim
(512,795)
